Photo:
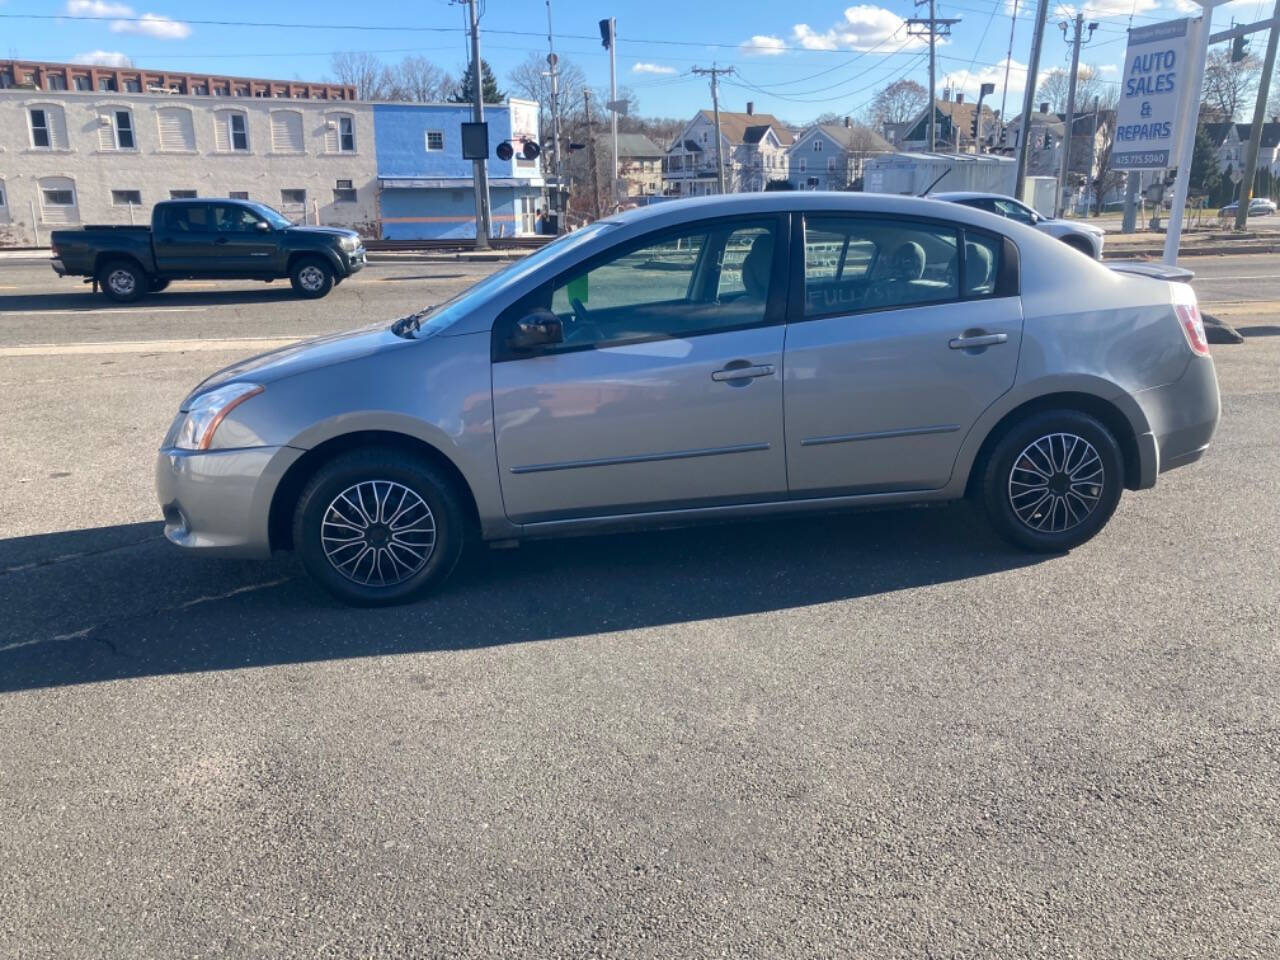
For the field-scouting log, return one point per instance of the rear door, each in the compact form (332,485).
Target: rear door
(667,391)
(900,333)
(183,238)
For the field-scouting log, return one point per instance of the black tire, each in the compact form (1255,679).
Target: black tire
(158,284)
(123,281)
(1082,501)
(367,471)
(312,277)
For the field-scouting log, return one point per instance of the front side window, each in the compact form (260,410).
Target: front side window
(699,280)
(233,218)
(854,264)
(40,129)
(435,140)
(1015,211)
(124,129)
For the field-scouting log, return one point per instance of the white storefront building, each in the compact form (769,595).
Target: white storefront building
(103,157)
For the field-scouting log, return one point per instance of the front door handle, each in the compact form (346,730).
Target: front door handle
(968,342)
(742,370)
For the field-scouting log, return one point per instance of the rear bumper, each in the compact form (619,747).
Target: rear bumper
(1183,416)
(219,501)
(58,267)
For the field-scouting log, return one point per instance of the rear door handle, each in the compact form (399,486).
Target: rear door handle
(979,340)
(745,372)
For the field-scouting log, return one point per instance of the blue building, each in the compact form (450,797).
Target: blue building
(425,187)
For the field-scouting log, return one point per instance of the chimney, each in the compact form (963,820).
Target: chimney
(1044,107)
(959,98)
(847,124)
(751,108)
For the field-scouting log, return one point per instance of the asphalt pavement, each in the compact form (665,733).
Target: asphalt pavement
(883,735)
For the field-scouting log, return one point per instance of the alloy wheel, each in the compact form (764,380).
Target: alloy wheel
(378,533)
(122,282)
(1056,482)
(311,278)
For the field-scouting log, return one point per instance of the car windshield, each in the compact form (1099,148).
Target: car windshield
(432,319)
(273,217)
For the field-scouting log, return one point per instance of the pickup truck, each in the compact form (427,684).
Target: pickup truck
(207,239)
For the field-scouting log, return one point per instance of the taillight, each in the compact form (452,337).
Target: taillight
(1193,327)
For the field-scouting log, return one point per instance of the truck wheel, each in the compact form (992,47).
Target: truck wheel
(123,281)
(157,284)
(311,277)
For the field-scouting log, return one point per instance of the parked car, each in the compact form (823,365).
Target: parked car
(1084,237)
(208,238)
(696,360)
(1258,207)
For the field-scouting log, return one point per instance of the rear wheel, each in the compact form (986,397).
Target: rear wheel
(123,281)
(311,277)
(378,527)
(1053,481)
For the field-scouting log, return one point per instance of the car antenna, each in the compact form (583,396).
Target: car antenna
(929,188)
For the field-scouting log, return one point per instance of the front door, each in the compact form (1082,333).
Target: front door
(903,334)
(241,245)
(667,389)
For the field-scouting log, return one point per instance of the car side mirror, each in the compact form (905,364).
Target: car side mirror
(262,226)
(540,328)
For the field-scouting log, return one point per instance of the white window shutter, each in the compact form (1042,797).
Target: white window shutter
(57,122)
(332,130)
(222,132)
(106,130)
(286,132)
(177,132)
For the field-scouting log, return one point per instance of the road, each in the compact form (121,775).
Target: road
(884,734)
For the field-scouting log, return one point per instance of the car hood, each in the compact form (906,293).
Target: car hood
(304,356)
(324,231)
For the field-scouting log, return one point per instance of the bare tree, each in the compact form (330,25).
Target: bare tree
(418,80)
(1055,87)
(364,71)
(1228,87)
(898,102)
(531,81)
(1103,177)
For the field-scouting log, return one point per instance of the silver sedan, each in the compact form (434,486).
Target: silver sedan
(697,360)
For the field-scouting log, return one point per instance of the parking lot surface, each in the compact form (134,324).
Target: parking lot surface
(883,734)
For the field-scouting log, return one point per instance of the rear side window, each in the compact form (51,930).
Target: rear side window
(855,264)
(187,219)
(982,256)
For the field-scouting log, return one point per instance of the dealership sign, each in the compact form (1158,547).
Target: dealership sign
(1150,117)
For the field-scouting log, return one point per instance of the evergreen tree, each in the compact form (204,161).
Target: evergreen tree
(488,85)
(1206,178)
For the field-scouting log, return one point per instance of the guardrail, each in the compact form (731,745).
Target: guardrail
(497,243)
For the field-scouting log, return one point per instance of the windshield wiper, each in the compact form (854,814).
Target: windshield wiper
(408,326)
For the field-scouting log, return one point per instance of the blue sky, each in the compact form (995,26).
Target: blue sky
(796,62)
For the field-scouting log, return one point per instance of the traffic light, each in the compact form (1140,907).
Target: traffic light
(606,33)
(1238,51)
(973,126)
(506,150)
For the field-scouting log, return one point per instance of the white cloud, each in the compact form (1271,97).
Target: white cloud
(153,25)
(148,24)
(969,82)
(97,8)
(763,46)
(863,28)
(103,58)
(652,68)
(1108,68)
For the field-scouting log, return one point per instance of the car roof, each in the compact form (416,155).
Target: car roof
(952,195)
(676,212)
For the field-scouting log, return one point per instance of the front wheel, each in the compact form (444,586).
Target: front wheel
(378,527)
(311,277)
(123,281)
(1053,481)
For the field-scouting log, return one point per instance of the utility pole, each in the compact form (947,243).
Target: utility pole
(609,31)
(554,63)
(1028,99)
(715,73)
(933,28)
(591,153)
(1068,125)
(480,173)
(1259,114)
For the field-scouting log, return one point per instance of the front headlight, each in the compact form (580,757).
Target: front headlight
(208,410)
(350,244)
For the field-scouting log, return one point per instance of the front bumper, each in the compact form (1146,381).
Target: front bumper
(219,501)
(356,260)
